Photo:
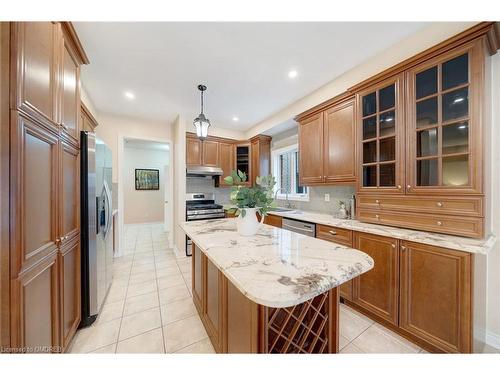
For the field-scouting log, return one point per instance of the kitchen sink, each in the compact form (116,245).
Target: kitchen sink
(281,209)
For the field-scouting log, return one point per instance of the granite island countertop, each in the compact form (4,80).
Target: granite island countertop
(276,267)
(470,245)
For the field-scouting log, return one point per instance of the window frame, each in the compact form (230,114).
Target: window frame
(275,168)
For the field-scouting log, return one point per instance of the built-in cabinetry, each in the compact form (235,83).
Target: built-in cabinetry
(87,120)
(45,182)
(419,133)
(252,157)
(327,152)
(420,291)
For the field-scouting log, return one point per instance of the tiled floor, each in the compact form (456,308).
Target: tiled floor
(149,308)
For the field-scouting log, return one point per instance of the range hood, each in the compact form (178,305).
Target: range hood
(200,171)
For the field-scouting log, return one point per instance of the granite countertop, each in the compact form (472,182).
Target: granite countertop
(471,245)
(276,267)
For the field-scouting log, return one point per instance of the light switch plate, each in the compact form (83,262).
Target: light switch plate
(327,197)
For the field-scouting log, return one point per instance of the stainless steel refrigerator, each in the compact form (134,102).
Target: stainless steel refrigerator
(97,225)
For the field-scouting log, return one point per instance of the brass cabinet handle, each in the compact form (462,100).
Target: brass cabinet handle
(439,204)
(403,248)
(377,217)
(439,223)
(57,240)
(408,186)
(393,245)
(377,201)
(332,232)
(399,187)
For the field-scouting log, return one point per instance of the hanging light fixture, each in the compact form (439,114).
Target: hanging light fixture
(201,123)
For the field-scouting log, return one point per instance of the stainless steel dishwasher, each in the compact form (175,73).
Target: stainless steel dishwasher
(298,226)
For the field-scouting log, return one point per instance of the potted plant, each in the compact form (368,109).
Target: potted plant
(250,200)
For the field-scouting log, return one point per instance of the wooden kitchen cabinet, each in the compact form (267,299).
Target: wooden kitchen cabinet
(207,288)
(327,143)
(444,114)
(377,291)
(380,120)
(45,180)
(70,90)
(261,156)
(197,278)
(311,143)
(273,220)
(436,296)
(226,161)
(210,152)
(340,143)
(193,150)
(243,162)
(88,122)
(342,237)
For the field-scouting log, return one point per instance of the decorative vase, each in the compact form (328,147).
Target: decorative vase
(248,225)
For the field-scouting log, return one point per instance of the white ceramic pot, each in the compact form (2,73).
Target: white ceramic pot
(248,225)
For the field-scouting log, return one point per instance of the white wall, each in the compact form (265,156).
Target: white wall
(179,172)
(143,206)
(408,47)
(111,127)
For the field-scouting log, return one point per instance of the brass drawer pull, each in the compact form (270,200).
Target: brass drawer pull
(403,248)
(439,223)
(393,245)
(399,187)
(377,201)
(439,204)
(332,232)
(377,217)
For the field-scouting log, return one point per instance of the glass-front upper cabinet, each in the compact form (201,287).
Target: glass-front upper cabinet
(442,123)
(380,124)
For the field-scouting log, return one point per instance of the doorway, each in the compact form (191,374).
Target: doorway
(144,186)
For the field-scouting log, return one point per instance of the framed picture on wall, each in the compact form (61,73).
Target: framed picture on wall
(147,179)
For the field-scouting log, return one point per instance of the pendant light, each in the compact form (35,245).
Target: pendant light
(201,123)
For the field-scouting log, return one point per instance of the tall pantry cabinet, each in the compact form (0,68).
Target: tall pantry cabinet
(45,59)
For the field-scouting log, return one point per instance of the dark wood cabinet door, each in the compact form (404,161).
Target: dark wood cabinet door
(273,220)
(436,296)
(213,304)
(197,278)
(210,153)
(35,74)
(340,143)
(377,290)
(444,115)
(69,197)
(226,160)
(193,151)
(70,92)
(69,260)
(311,150)
(380,134)
(35,307)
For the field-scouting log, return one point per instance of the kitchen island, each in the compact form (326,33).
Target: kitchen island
(275,292)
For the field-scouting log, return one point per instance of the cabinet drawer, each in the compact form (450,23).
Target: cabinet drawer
(455,225)
(334,234)
(435,205)
(273,220)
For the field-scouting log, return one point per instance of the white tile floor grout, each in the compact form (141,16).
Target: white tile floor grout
(152,285)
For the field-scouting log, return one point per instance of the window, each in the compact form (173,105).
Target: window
(286,171)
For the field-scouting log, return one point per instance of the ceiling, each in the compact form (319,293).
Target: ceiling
(244,65)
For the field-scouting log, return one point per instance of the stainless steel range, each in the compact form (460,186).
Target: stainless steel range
(201,206)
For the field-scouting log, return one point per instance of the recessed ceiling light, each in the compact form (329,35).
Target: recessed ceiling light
(292,74)
(129,95)
(235,119)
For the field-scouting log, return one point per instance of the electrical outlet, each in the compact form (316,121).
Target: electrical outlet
(327,197)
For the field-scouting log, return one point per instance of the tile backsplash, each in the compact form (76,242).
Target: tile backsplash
(316,195)
(207,185)
(317,199)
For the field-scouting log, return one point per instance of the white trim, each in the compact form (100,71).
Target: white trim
(493,339)
(119,166)
(274,169)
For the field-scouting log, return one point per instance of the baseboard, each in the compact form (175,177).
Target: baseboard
(493,339)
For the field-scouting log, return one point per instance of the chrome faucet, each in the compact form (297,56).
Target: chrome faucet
(288,204)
